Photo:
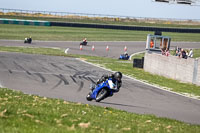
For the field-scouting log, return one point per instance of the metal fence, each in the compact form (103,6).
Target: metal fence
(64,14)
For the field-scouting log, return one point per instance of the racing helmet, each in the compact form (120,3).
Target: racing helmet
(118,76)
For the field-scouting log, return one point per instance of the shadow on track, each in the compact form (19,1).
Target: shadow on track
(125,105)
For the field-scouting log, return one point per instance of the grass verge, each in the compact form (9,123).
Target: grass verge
(34,50)
(32,114)
(19,32)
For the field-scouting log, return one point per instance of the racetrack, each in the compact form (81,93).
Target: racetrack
(115,48)
(69,79)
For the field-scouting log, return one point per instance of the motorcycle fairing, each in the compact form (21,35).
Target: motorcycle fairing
(99,87)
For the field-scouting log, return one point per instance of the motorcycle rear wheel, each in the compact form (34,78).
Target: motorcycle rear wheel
(101,95)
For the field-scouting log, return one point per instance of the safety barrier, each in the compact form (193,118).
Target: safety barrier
(185,70)
(119,27)
(24,22)
(138,62)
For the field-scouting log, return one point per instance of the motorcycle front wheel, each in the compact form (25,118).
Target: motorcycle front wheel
(101,95)
(88,97)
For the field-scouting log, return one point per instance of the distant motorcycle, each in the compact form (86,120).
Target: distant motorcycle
(28,40)
(101,91)
(124,57)
(83,43)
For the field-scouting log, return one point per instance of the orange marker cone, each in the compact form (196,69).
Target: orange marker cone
(125,48)
(107,48)
(93,48)
(81,47)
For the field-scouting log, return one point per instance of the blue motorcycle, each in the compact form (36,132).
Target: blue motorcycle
(101,91)
(124,57)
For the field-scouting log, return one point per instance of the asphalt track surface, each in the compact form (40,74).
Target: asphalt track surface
(69,79)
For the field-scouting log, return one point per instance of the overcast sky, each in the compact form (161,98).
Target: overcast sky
(135,8)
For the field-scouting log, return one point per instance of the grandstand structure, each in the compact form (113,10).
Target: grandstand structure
(186,2)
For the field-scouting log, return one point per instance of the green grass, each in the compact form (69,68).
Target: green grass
(196,53)
(21,113)
(19,32)
(34,50)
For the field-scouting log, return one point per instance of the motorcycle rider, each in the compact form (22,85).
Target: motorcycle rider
(115,78)
(126,54)
(85,40)
(28,40)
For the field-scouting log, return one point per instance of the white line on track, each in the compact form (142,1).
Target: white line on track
(135,54)
(1,86)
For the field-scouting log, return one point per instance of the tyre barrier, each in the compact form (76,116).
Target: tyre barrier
(119,27)
(24,22)
(139,63)
(103,26)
